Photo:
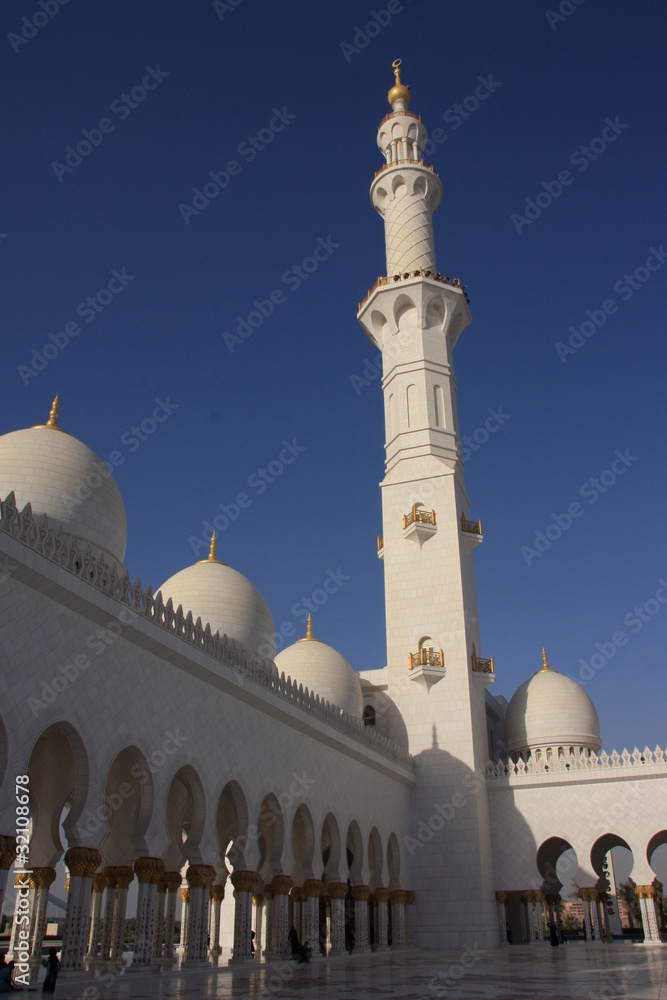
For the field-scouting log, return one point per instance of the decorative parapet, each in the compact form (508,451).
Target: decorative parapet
(426,658)
(592,763)
(443,279)
(418,516)
(482,666)
(472,527)
(380,543)
(66,551)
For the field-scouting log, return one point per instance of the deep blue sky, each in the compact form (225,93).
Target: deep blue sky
(162,336)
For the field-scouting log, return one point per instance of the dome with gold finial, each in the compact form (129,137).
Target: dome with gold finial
(322,670)
(226,600)
(399,92)
(551,713)
(61,477)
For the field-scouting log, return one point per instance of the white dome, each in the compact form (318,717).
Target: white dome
(227,601)
(551,710)
(62,478)
(323,670)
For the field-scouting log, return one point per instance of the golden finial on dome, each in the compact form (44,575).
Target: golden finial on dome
(399,92)
(545,665)
(212,552)
(52,422)
(309,628)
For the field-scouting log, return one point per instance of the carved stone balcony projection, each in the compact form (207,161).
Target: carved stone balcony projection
(419,524)
(482,669)
(426,666)
(471,532)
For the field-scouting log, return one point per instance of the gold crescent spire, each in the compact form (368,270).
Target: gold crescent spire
(213,551)
(52,422)
(545,665)
(309,628)
(399,92)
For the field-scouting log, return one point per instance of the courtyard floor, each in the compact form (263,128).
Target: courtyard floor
(605,973)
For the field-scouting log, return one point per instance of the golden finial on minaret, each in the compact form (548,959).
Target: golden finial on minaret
(545,665)
(309,628)
(52,422)
(399,92)
(212,552)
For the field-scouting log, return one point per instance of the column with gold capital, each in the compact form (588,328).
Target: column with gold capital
(501,899)
(409,900)
(281,885)
(109,875)
(123,877)
(270,937)
(217,896)
(82,863)
(311,891)
(173,883)
(184,895)
(24,886)
(200,878)
(244,882)
(99,885)
(158,934)
(44,878)
(149,871)
(647,905)
(397,900)
(338,892)
(382,897)
(360,895)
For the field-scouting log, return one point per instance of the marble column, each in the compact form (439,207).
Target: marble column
(44,877)
(295,899)
(23,885)
(397,901)
(584,895)
(539,919)
(409,900)
(258,904)
(82,863)
(217,896)
(382,897)
(124,876)
(244,882)
(269,902)
(311,892)
(360,895)
(149,871)
(99,885)
(158,935)
(184,896)
(280,886)
(172,882)
(338,891)
(501,899)
(109,875)
(200,879)
(647,905)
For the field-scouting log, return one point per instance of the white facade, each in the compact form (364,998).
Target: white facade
(158,728)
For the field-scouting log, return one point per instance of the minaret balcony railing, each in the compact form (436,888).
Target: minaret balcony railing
(401,162)
(380,543)
(425,657)
(481,666)
(418,516)
(401,114)
(443,279)
(472,527)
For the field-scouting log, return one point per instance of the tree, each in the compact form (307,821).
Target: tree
(627,894)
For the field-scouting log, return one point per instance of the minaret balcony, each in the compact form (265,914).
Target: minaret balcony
(419,524)
(426,666)
(482,669)
(471,532)
(380,546)
(442,279)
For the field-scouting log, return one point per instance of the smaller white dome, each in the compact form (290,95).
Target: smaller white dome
(551,710)
(323,670)
(227,601)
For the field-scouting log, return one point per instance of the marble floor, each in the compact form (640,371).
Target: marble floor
(610,972)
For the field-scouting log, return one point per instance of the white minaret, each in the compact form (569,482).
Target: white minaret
(436,672)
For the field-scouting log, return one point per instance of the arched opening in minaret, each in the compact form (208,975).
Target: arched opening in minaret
(412,404)
(369,715)
(439,405)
